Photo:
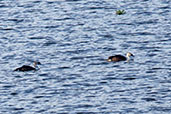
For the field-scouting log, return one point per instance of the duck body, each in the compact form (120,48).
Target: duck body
(25,68)
(28,68)
(117,58)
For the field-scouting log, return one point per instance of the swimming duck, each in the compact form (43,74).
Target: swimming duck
(117,58)
(28,68)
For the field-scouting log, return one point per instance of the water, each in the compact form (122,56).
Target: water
(72,39)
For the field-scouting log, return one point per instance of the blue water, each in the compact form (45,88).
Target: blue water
(72,39)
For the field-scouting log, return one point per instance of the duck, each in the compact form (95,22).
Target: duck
(28,68)
(117,58)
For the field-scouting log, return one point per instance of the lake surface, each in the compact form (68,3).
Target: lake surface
(72,39)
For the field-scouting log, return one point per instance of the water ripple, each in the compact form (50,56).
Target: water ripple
(72,39)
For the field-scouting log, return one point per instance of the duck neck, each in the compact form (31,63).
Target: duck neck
(35,65)
(128,58)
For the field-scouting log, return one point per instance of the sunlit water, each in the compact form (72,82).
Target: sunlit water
(72,39)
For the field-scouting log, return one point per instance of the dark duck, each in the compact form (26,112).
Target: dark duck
(28,68)
(117,58)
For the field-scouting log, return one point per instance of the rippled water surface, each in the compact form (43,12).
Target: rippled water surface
(72,39)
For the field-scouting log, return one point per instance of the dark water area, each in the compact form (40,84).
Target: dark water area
(72,39)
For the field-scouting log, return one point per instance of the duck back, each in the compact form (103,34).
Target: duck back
(25,68)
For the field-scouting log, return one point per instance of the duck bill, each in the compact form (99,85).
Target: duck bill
(39,63)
